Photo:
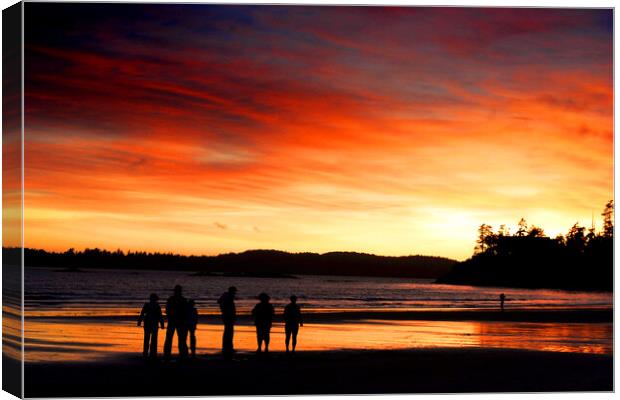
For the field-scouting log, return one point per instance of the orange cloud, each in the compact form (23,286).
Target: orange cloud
(241,129)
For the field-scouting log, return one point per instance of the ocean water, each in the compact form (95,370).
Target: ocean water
(50,292)
(91,315)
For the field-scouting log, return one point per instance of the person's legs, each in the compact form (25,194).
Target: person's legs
(154,334)
(168,341)
(259,338)
(192,341)
(266,338)
(230,338)
(145,347)
(294,333)
(287,333)
(182,338)
(227,339)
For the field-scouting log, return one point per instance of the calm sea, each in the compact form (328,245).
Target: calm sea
(119,292)
(91,314)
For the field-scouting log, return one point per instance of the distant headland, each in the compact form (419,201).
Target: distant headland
(254,263)
(582,259)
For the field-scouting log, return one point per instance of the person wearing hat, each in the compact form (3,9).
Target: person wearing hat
(229,315)
(152,318)
(263,316)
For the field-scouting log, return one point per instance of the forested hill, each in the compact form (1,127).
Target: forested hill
(251,262)
(583,259)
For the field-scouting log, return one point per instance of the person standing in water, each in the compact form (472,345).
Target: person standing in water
(192,322)
(292,322)
(229,315)
(263,316)
(502,298)
(152,317)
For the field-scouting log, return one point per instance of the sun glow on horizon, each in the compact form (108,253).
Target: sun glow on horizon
(226,128)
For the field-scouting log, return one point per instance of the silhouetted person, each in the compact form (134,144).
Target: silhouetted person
(176,311)
(152,318)
(263,317)
(192,321)
(229,315)
(502,298)
(292,322)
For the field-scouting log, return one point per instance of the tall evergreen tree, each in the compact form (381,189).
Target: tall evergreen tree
(608,219)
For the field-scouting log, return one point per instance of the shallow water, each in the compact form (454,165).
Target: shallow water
(61,341)
(60,307)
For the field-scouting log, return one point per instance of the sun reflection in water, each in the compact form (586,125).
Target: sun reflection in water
(69,340)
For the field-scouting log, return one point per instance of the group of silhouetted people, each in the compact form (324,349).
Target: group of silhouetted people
(263,314)
(182,318)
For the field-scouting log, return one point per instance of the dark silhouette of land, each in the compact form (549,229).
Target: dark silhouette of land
(253,263)
(579,260)
(336,372)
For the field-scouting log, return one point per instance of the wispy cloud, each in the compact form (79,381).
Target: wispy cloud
(364,129)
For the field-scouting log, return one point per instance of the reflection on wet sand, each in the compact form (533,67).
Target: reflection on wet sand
(578,338)
(66,340)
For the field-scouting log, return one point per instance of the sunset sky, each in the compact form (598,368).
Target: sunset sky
(207,129)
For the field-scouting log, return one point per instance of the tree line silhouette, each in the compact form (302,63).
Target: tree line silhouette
(255,263)
(582,259)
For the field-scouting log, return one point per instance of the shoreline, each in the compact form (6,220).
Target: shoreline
(566,315)
(439,370)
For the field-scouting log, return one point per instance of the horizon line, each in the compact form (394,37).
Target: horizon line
(126,252)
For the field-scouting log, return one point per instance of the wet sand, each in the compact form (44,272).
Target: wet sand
(577,331)
(431,351)
(585,315)
(437,370)
(580,315)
